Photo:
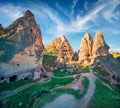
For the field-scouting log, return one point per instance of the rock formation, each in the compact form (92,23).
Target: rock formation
(53,48)
(100,48)
(90,49)
(56,43)
(26,48)
(85,48)
(1,29)
(65,51)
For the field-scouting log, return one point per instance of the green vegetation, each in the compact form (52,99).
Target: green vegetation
(103,79)
(98,70)
(51,51)
(13,85)
(63,72)
(57,92)
(49,60)
(24,96)
(104,97)
(84,69)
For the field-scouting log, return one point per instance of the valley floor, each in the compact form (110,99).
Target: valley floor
(43,93)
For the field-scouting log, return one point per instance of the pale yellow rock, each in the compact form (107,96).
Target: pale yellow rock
(85,48)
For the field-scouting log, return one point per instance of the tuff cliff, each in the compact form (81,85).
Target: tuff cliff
(23,47)
(65,51)
(91,49)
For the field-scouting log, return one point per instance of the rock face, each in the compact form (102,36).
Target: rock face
(85,48)
(53,48)
(65,51)
(56,43)
(90,49)
(1,29)
(26,49)
(100,48)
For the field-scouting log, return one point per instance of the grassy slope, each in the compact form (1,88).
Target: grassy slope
(63,73)
(14,85)
(55,93)
(24,95)
(49,50)
(104,97)
(49,60)
(98,70)
(101,75)
(58,73)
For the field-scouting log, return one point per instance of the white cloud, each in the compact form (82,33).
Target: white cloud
(62,9)
(11,11)
(109,12)
(86,5)
(74,2)
(115,49)
(81,23)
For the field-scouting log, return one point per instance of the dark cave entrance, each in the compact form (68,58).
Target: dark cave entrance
(13,78)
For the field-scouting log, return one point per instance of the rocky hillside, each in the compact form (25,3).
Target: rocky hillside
(21,45)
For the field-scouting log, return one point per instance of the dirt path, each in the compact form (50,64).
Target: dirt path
(91,88)
(3,96)
(7,94)
(82,103)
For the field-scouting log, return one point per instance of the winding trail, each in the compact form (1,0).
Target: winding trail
(82,103)
(4,96)
(10,93)
(91,88)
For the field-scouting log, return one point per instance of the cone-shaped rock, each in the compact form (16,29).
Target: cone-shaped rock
(100,48)
(65,51)
(85,48)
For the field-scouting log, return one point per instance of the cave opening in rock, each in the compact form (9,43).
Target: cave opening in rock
(13,78)
(26,78)
(2,78)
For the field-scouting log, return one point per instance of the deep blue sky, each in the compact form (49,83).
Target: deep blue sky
(71,18)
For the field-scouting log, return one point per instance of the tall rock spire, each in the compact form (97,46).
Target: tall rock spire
(85,48)
(100,48)
(65,51)
(90,49)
